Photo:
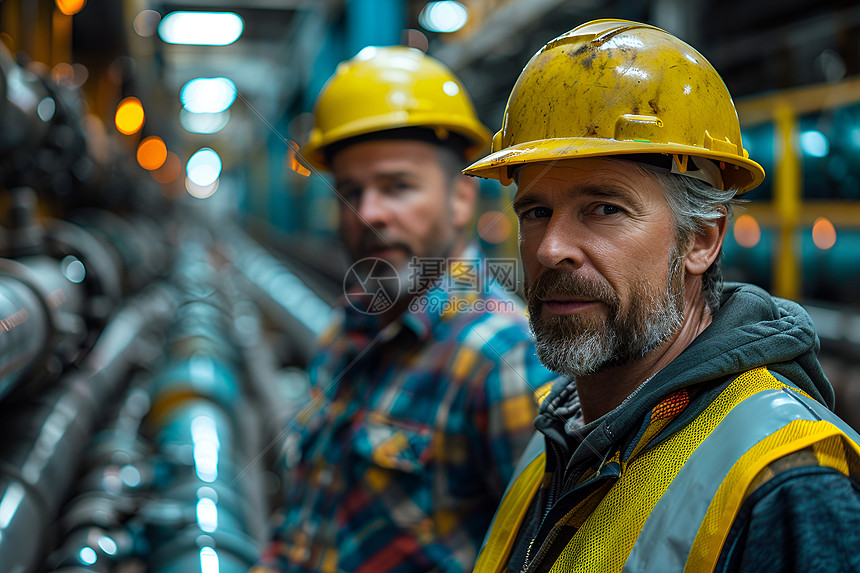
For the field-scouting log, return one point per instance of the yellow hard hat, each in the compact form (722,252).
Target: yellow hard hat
(386,88)
(615,87)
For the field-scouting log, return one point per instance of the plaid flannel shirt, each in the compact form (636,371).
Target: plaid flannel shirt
(412,435)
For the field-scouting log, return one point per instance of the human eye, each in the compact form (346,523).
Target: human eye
(607,209)
(398,185)
(535,213)
(350,193)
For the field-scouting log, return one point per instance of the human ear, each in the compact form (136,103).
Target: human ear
(464,198)
(705,247)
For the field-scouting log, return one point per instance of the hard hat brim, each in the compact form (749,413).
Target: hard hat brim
(740,172)
(475,133)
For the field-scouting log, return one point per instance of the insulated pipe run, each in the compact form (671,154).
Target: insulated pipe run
(39,313)
(53,429)
(24,330)
(282,294)
(205,514)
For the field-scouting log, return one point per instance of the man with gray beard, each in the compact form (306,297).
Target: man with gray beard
(693,430)
(421,397)
(569,345)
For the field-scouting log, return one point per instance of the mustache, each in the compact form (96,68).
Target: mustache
(554,283)
(370,241)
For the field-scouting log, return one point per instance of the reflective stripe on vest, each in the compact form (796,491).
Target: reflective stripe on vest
(667,536)
(499,541)
(674,504)
(694,482)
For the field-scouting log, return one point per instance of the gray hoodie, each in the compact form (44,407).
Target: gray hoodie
(750,330)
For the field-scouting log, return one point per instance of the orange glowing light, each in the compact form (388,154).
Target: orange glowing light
(494,227)
(823,233)
(151,153)
(169,170)
(747,232)
(129,116)
(70,7)
(294,162)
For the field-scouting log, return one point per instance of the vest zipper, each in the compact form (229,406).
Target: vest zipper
(554,484)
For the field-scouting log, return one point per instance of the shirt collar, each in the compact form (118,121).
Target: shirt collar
(432,307)
(436,305)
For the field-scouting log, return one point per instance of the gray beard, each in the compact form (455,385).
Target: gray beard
(573,346)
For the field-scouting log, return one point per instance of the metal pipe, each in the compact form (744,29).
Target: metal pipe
(40,312)
(53,430)
(281,293)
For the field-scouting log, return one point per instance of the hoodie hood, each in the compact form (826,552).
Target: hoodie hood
(750,330)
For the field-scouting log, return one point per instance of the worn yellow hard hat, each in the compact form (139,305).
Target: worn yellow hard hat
(385,88)
(615,87)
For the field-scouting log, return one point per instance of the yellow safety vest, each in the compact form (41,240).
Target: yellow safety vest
(672,506)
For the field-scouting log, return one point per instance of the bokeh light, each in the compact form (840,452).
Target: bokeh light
(823,233)
(207,515)
(494,227)
(205,123)
(146,23)
(814,143)
(204,167)
(170,170)
(70,7)
(445,17)
(151,153)
(107,545)
(201,28)
(747,231)
(46,109)
(88,555)
(415,39)
(129,116)
(200,191)
(208,560)
(70,75)
(208,95)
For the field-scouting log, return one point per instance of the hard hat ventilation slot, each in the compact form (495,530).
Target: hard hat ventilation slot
(642,128)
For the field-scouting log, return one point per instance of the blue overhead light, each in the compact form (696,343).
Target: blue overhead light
(201,28)
(446,16)
(88,555)
(208,560)
(46,109)
(207,515)
(204,167)
(208,95)
(814,143)
(854,136)
(206,123)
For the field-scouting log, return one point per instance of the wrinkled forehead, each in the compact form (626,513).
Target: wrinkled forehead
(569,172)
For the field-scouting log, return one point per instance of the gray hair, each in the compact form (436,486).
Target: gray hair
(696,205)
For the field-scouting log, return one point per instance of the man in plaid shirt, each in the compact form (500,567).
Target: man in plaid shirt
(423,393)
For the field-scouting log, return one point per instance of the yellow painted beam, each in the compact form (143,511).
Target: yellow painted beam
(803,100)
(843,214)
(786,197)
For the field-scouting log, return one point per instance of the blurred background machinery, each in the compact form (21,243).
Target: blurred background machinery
(167,258)
(140,402)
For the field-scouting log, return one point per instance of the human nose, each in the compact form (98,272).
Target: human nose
(560,244)
(373,209)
